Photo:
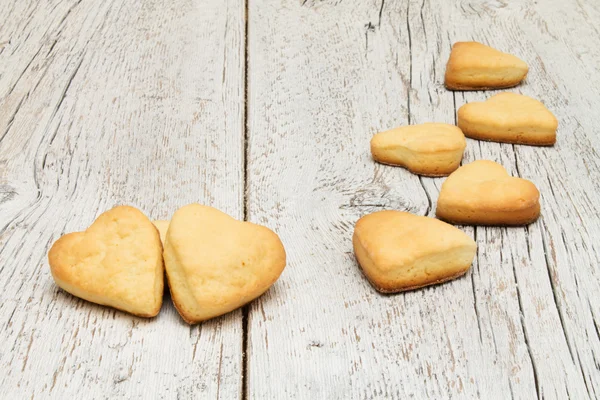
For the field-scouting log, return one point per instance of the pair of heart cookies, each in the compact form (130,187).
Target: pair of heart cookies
(398,251)
(506,117)
(435,149)
(213,263)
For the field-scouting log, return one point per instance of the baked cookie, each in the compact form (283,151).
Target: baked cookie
(400,251)
(482,193)
(509,118)
(426,149)
(216,264)
(162,227)
(475,66)
(116,262)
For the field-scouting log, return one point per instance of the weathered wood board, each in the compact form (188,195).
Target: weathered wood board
(265,110)
(105,103)
(522,323)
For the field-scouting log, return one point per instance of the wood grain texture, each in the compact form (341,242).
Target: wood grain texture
(558,312)
(323,77)
(105,103)
(143,103)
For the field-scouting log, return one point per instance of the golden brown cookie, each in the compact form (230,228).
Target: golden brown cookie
(116,262)
(427,149)
(216,264)
(482,193)
(475,66)
(509,118)
(400,251)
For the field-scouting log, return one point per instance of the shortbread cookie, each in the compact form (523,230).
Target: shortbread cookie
(475,66)
(116,262)
(162,227)
(216,264)
(509,118)
(400,251)
(482,193)
(426,149)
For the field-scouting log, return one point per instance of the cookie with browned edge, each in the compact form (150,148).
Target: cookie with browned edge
(475,66)
(215,263)
(509,118)
(429,149)
(482,193)
(116,262)
(399,251)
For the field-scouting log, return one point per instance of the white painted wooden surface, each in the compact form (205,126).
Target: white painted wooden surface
(323,77)
(104,103)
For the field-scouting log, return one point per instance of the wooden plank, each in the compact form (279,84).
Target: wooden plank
(105,103)
(522,323)
(558,313)
(562,326)
(494,293)
(518,255)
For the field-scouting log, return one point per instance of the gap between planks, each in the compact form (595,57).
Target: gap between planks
(245,308)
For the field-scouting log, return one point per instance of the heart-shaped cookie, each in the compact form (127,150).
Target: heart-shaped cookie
(475,66)
(400,251)
(482,193)
(116,262)
(216,264)
(509,118)
(427,149)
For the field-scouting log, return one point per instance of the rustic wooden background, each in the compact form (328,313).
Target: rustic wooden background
(265,109)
